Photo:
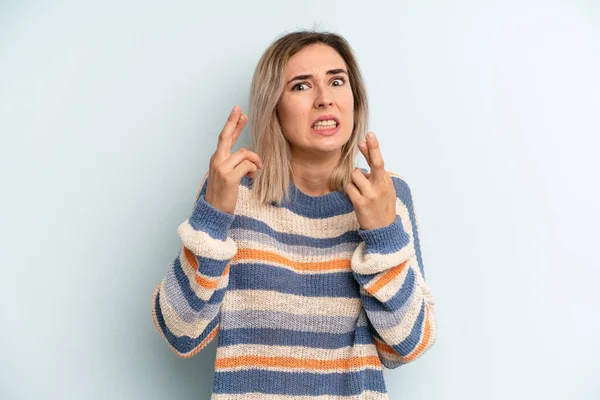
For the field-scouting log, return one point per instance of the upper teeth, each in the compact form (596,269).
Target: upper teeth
(325,122)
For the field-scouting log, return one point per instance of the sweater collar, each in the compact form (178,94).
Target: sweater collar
(326,205)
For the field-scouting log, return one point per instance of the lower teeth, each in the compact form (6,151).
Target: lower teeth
(325,127)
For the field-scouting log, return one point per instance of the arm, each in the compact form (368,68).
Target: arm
(186,303)
(389,269)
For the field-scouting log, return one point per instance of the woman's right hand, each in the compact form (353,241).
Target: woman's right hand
(227,170)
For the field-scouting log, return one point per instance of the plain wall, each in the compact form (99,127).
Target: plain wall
(110,111)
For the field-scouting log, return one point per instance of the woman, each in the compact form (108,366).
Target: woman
(308,268)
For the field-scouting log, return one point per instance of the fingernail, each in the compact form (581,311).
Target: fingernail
(370,135)
(234,108)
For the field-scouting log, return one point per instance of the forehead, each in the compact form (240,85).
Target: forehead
(314,59)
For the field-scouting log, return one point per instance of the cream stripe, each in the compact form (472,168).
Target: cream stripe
(425,289)
(267,300)
(373,263)
(356,350)
(201,243)
(278,218)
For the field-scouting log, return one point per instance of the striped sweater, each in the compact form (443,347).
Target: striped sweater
(306,304)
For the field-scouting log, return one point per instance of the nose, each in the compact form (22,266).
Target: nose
(323,98)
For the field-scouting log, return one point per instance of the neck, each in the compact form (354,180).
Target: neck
(312,177)
(311,170)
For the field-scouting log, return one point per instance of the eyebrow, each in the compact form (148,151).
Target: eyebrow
(330,72)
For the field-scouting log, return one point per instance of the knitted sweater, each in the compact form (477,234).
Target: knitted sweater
(306,304)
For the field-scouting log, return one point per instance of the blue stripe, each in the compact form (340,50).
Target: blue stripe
(385,240)
(259,276)
(315,207)
(208,219)
(404,194)
(298,383)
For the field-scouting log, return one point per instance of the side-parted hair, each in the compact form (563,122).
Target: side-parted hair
(271,183)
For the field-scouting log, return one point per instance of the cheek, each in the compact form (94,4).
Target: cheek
(348,111)
(286,116)
(349,102)
(345,101)
(297,113)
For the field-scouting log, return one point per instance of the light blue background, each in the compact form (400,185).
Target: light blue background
(109,113)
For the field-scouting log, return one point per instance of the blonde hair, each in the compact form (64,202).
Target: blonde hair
(271,183)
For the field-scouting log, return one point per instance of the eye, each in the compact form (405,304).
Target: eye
(304,83)
(340,79)
(298,85)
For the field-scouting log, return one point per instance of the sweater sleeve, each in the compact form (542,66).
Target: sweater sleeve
(186,303)
(389,269)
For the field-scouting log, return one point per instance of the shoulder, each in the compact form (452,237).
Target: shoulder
(403,191)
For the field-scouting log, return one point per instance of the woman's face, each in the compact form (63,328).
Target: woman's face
(306,98)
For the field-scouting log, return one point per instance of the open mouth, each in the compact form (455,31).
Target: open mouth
(328,129)
(325,125)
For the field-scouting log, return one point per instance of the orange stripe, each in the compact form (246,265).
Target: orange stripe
(289,362)
(211,284)
(192,261)
(417,352)
(385,278)
(246,253)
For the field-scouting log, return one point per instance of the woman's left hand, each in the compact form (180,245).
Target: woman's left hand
(372,193)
